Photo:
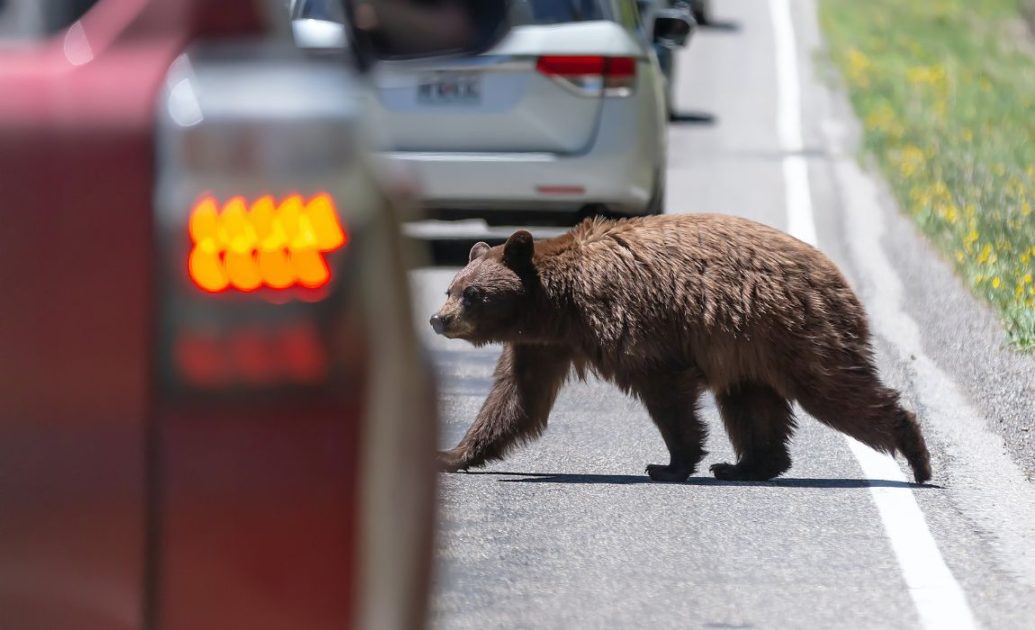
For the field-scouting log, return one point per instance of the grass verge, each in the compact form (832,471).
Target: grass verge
(946,94)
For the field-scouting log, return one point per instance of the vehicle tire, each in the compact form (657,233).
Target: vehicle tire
(701,10)
(656,205)
(670,105)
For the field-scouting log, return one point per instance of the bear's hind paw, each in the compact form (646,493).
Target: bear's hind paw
(657,472)
(451,461)
(740,472)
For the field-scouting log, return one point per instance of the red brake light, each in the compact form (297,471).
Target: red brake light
(620,67)
(276,245)
(566,65)
(591,75)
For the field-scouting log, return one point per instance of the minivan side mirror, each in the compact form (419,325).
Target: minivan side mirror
(672,27)
(390,30)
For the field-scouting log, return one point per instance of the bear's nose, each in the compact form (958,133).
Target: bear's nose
(438,324)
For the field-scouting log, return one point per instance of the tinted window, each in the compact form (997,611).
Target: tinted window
(557,11)
(30,19)
(327,10)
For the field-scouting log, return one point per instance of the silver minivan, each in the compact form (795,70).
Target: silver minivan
(566,114)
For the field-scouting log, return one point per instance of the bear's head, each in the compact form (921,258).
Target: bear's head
(488,300)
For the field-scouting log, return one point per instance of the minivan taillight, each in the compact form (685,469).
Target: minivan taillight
(591,75)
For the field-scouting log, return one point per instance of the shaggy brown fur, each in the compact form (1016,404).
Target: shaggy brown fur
(665,307)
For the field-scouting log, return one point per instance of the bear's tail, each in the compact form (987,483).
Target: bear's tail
(910,442)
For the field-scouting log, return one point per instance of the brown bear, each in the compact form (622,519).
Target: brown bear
(664,307)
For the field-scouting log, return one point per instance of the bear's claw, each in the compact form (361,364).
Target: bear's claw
(657,472)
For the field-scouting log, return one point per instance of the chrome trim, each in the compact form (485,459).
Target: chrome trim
(429,156)
(483,63)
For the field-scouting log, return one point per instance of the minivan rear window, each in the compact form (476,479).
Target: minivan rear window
(558,11)
(326,10)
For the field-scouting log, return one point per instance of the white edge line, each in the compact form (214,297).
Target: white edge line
(937,595)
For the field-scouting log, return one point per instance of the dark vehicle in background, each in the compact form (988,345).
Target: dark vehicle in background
(665,43)
(702,10)
(214,412)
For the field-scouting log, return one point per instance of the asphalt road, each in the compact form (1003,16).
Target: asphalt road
(569,533)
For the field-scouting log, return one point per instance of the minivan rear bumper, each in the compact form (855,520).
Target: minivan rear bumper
(509,181)
(619,170)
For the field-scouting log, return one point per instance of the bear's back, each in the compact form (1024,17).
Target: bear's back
(700,281)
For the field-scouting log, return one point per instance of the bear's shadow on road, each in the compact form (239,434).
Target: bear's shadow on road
(625,480)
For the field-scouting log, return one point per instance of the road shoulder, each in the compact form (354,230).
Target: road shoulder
(947,352)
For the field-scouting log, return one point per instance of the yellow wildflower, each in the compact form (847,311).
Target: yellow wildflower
(948,212)
(858,68)
(970,239)
(920,196)
(933,76)
(882,120)
(911,159)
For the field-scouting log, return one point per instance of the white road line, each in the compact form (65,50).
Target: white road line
(935,592)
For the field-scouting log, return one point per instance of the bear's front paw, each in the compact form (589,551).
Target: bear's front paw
(451,461)
(657,472)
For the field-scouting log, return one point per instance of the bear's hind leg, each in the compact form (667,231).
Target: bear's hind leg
(759,422)
(672,404)
(859,405)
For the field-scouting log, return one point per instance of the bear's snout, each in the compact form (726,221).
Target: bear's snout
(438,324)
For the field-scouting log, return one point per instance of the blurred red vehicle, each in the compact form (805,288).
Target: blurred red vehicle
(214,412)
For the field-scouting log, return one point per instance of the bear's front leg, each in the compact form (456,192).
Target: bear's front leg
(671,400)
(527,379)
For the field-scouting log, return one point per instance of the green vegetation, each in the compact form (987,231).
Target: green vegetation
(946,93)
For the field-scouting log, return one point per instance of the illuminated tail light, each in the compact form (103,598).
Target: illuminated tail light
(591,75)
(268,243)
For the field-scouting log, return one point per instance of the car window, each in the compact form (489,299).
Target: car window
(558,11)
(326,10)
(33,19)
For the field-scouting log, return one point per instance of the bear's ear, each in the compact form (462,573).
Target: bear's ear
(518,250)
(478,249)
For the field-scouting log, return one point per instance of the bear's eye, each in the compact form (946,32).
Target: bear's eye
(471,295)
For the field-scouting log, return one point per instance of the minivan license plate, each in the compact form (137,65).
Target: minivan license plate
(462,88)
